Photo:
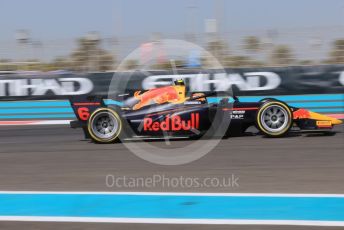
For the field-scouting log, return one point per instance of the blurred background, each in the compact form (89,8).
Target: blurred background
(94,36)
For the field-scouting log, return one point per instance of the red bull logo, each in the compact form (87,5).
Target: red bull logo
(301,114)
(173,123)
(172,94)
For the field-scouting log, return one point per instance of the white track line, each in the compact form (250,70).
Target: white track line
(33,122)
(172,221)
(54,122)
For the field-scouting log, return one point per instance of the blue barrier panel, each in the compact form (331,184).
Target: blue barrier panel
(55,109)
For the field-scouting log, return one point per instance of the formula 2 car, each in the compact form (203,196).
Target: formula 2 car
(168,111)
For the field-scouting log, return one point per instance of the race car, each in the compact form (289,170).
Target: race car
(168,112)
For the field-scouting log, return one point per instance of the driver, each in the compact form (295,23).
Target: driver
(179,82)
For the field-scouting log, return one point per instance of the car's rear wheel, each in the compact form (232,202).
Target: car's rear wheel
(105,126)
(274,119)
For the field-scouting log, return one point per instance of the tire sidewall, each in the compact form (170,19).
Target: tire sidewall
(266,105)
(115,137)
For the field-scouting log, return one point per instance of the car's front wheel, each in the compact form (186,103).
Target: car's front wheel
(274,119)
(105,126)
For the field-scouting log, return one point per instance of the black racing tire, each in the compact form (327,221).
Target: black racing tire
(267,99)
(274,119)
(105,126)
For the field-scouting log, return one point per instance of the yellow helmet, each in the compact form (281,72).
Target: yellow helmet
(179,82)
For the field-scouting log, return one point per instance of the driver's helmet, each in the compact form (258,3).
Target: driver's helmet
(179,82)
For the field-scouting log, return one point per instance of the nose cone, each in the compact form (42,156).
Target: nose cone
(317,116)
(336,121)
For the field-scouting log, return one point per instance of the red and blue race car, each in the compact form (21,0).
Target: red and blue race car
(169,112)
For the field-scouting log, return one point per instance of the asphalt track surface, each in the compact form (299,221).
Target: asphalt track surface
(56,158)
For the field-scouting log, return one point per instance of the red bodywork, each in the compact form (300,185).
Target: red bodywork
(301,114)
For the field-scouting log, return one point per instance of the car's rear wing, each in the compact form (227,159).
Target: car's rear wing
(84,105)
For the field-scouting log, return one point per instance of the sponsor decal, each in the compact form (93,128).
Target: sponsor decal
(324,123)
(238,111)
(219,81)
(237,116)
(301,114)
(172,123)
(41,87)
(192,103)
